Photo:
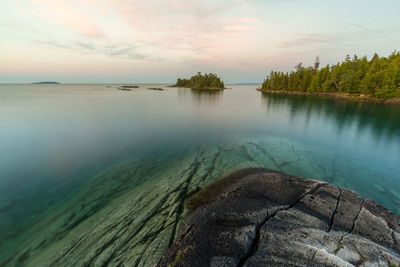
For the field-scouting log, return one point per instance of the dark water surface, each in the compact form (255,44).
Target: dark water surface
(71,156)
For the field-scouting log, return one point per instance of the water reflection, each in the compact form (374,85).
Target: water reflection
(383,120)
(207,98)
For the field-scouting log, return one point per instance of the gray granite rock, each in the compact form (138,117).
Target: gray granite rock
(265,218)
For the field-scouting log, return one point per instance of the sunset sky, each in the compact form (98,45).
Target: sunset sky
(154,41)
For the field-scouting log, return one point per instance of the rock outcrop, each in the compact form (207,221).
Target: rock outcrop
(262,218)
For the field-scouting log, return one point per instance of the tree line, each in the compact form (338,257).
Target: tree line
(378,77)
(199,81)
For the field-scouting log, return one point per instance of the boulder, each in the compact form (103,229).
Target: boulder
(265,218)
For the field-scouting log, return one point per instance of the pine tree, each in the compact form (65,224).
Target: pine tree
(379,77)
(316,64)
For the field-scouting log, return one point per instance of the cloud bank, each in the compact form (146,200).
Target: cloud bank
(236,38)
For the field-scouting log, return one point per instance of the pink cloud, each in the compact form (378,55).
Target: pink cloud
(175,31)
(68,16)
(189,25)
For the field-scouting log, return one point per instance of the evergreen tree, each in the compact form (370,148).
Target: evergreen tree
(199,81)
(316,64)
(379,77)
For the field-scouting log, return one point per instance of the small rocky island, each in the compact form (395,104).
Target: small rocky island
(202,82)
(46,82)
(127,87)
(256,217)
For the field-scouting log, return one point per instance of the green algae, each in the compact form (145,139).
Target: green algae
(177,259)
(212,191)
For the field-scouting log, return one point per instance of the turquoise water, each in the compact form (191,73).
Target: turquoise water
(73,155)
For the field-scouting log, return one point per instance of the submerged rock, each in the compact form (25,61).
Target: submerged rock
(262,218)
(129,214)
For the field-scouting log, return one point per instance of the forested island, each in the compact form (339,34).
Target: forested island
(378,78)
(199,81)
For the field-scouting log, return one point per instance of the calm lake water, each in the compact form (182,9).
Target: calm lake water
(58,142)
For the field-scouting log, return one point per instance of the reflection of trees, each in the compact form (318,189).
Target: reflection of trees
(381,119)
(202,97)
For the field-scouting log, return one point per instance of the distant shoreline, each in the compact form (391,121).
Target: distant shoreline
(344,96)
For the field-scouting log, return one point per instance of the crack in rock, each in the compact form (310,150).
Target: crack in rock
(256,242)
(335,211)
(357,216)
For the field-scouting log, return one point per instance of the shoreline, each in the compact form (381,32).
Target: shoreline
(343,96)
(211,88)
(271,218)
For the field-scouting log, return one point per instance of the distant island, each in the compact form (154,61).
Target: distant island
(205,82)
(376,79)
(46,83)
(127,87)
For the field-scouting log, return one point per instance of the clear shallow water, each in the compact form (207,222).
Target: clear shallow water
(68,146)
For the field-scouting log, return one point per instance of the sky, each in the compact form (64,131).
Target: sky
(157,41)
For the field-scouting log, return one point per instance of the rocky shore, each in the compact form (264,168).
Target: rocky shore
(343,96)
(257,217)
